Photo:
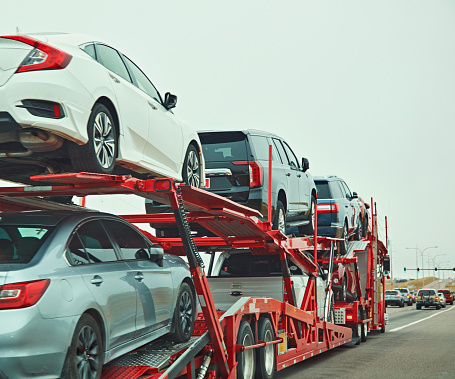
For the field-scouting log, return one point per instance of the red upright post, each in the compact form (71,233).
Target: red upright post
(269,210)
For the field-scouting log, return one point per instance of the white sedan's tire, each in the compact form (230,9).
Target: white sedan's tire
(100,152)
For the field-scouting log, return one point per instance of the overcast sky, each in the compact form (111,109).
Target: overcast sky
(363,89)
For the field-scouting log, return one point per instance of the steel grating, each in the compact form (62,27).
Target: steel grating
(155,354)
(340,316)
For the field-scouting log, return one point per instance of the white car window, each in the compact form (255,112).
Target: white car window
(110,59)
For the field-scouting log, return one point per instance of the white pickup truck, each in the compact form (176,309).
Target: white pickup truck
(239,273)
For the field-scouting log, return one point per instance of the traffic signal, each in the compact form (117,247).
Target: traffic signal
(405,269)
(435,269)
(418,269)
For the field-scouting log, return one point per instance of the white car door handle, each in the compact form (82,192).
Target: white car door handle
(139,276)
(114,78)
(153,106)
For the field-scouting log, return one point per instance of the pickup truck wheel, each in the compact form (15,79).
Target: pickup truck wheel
(246,360)
(265,355)
(191,171)
(308,229)
(100,152)
(344,244)
(279,222)
(418,306)
(183,321)
(85,354)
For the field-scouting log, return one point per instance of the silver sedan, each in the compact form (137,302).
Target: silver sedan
(78,289)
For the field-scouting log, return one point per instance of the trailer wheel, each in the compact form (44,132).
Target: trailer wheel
(279,222)
(265,355)
(183,321)
(191,171)
(99,153)
(86,353)
(364,328)
(246,360)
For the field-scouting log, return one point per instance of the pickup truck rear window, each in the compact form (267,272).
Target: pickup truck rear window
(427,293)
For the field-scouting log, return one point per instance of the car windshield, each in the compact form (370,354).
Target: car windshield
(19,244)
(221,147)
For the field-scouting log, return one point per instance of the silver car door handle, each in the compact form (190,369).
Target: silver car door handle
(139,276)
(114,78)
(97,280)
(153,106)
(288,174)
(236,293)
(299,176)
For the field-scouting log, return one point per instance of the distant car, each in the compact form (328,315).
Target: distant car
(442,299)
(448,295)
(78,289)
(237,167)
(339,213)
(427,297)
(394,298)
(71,103)
(406,295)
(414,295)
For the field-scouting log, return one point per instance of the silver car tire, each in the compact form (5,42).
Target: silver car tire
(279,222)
(184,314)
(191,171)
(86,353)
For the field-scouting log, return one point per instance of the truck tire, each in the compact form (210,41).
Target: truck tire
(402,304)
(438,307)
(279,221)
(265,356)
(364,328)
(85,355)
(308,230)
(246,360)
(418,306)
(344,244)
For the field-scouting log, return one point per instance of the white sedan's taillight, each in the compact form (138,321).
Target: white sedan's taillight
(42,57)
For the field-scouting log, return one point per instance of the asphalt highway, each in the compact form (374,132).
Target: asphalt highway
(416,344)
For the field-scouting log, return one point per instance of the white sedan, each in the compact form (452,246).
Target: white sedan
(71,103)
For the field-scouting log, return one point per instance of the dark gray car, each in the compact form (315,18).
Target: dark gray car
(78,289)
(237,167)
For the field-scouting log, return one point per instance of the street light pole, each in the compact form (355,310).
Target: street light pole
(421,253)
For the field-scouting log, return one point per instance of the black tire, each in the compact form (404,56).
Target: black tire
(418,306)
(343,290)
(184,315)
(359,232)
(356,333)
(246,360)
(365,225)
(344,244)
(402,304)
(438,307)
(409,303)
(86,352)
(308,229)
(364,328)
(279,221)
(102,136)
(191,170)
(265,356)
(451,303)
(383,330)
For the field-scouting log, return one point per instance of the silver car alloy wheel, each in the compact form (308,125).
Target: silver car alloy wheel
(312,214)
(87,353)
(104,140)
(193,169)
(185,312)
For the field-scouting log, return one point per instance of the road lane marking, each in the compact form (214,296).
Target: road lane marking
(416,322)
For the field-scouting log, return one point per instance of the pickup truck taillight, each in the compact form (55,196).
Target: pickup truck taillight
(255,170)
(42,57)
(22,295)
(328,208)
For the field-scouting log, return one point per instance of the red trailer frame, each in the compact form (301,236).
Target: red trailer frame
(298,329)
